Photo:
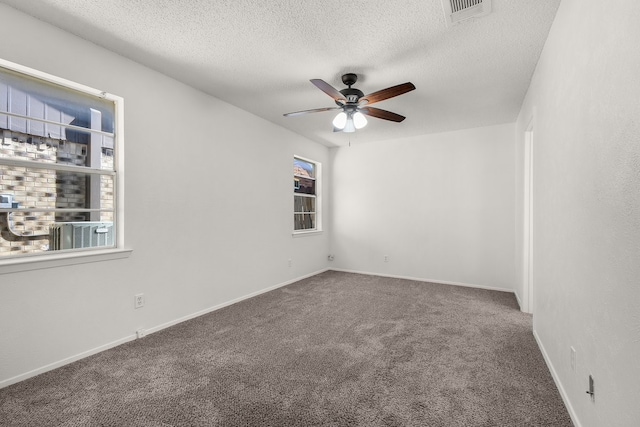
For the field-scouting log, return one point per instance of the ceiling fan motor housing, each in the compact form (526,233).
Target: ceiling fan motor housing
(352,95)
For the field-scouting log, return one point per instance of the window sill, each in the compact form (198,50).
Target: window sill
(302,233)
(52,261)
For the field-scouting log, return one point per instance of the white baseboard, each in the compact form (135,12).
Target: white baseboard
(519,302)
(228,303)
(556,379)
(66,361)
(419,279)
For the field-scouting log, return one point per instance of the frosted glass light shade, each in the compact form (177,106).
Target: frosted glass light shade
(359,120)
(349,126)
(340,120)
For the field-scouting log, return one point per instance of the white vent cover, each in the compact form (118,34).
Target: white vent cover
(459,10)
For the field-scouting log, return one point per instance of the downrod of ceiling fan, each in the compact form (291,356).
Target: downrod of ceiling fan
(352,95)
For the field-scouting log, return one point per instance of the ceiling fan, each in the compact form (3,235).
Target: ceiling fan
(355,104)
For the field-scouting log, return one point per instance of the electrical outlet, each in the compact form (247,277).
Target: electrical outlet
(330,257)
(138,301)
(141,333)
(573,359)
(386,258)
(290,262)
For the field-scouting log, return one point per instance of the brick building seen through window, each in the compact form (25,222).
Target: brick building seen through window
(57,167)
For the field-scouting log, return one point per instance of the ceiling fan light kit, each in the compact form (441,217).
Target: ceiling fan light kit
(340,120)
(349,122)
(359,120)
(355,104)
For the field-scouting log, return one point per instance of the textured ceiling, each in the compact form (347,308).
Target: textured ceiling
(259,55)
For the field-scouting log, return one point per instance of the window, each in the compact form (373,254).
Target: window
(60,165)
(306,176)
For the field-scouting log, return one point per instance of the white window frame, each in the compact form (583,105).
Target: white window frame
(318,197)
(70,257)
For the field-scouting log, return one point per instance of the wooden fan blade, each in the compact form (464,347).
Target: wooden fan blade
(387,93)
(315,110)
(381,114)
(329,90)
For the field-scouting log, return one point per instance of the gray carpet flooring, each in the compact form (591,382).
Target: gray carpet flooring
(336,349)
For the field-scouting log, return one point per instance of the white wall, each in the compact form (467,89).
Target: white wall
(236,242)
(440,206)
(586,97)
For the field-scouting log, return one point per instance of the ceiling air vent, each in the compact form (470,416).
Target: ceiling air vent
(459,10)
